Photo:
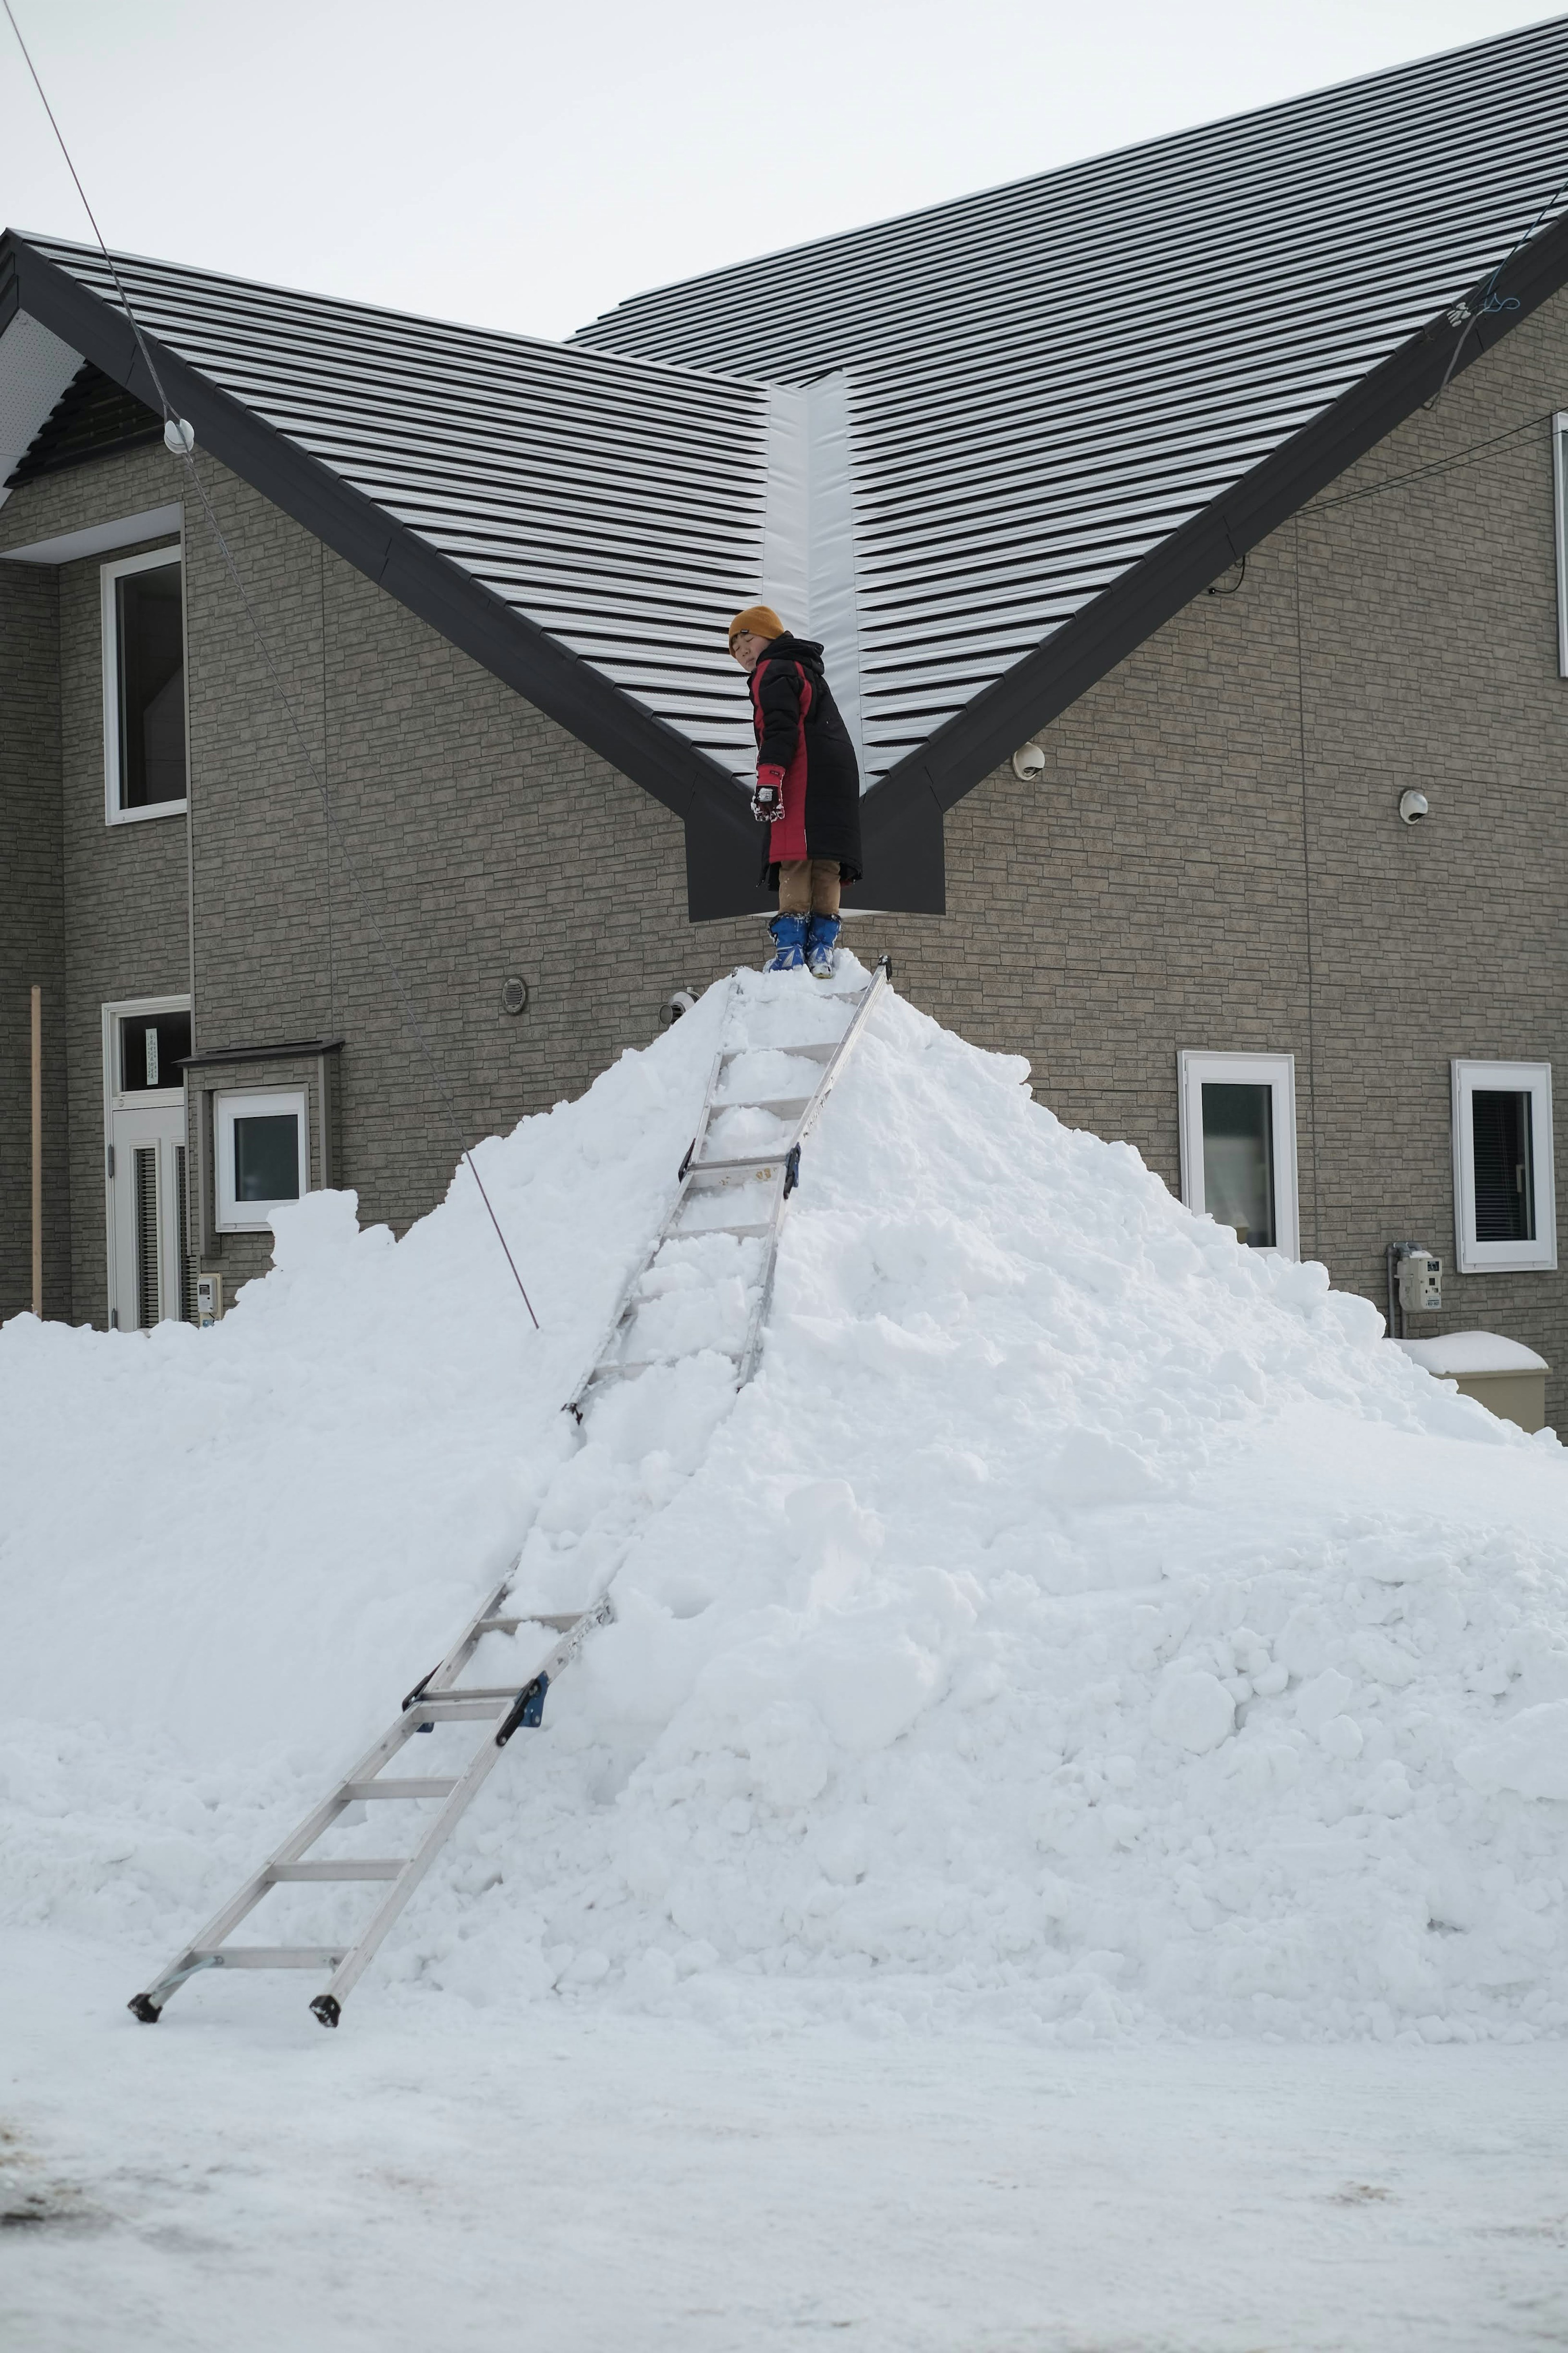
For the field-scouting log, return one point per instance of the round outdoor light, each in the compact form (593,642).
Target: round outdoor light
(514,994)
(1413,807)
(1029,762)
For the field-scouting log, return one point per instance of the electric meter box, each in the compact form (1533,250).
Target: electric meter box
(209,1301)
(1420,1283)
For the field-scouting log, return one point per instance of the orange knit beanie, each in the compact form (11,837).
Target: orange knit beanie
(760,619)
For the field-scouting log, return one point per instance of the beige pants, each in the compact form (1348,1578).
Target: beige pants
(808,886)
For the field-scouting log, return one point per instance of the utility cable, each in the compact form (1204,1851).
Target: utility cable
(1490,301)
(1436,466)
(182,447)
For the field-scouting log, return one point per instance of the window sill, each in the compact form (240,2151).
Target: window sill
(141,816)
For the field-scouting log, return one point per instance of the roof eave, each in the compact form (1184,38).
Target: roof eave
(634,741)
(970,746)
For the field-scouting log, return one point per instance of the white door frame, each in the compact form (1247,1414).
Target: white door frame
(146,1098)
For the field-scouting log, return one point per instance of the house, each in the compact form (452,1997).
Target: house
(1179,525)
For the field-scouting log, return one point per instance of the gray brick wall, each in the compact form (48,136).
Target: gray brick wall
(1211,860)
(32,940)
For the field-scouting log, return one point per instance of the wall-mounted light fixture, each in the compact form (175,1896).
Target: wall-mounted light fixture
(1413,807)
(1029,762)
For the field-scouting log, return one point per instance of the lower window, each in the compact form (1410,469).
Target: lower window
(1238,1145)
(261,1146)
(1505,1208)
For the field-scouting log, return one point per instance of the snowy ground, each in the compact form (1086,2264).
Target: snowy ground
(600,2184)
(1062,1848)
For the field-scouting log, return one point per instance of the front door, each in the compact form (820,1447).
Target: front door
(149,1274)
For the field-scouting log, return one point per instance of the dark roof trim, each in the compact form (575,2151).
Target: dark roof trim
(511,648)
(292,1049)
(1038,689)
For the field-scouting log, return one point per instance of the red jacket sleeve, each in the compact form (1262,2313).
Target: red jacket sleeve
(775,704)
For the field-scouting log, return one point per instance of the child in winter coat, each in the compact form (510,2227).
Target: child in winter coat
(807,791)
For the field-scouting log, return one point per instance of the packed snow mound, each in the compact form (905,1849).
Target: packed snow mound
(1081,1621)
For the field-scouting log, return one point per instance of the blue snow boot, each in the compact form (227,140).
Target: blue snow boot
(789,944)
(821,939)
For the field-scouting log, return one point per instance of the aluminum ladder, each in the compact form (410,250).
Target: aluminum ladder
(437,1698)
(759,1186)
(506,1708)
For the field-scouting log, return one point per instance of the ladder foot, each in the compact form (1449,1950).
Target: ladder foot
(326,2006)
(142,2006)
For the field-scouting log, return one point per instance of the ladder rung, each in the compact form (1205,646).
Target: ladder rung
(376,1867)
(556,1624)
(821,1050)
(654,1364)
(766,1161)
(777,1105)
(508,1692)
(457,1705)
(269,1957)
(397,1788)
(741,1233)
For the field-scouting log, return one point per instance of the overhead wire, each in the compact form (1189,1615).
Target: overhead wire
(183,447)
(1436,466)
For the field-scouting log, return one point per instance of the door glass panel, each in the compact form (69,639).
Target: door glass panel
(151,1045)
(267,1157)
(150,636)
(182,1206)
(1505,1167)
(146,1216)
(1238,1160)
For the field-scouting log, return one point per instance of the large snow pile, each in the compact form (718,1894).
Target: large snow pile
(1081,1621)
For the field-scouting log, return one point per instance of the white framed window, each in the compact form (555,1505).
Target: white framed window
(1559,505)
(1238,1145)
(261,1147)
(1505,1196)
(143,687)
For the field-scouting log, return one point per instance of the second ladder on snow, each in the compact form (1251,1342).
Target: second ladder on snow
(765,1093)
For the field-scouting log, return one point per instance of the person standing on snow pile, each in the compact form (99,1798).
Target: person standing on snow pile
(807,791)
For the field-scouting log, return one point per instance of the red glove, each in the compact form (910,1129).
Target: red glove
(767,801)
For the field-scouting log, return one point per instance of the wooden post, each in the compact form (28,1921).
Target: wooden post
(39,1152)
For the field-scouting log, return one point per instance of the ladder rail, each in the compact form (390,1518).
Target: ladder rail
(625,1303)
(778,1168)
(763,1304)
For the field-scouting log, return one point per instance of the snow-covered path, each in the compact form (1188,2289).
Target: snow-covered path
(468,2180)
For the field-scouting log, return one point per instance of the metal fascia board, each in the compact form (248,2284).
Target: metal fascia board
(470,615)
(961,754)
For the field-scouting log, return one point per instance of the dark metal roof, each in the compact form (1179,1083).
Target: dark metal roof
(615,504)
(1049,380)
(983,451)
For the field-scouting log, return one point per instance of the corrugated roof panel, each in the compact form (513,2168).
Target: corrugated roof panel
(570,484)
(1048,379)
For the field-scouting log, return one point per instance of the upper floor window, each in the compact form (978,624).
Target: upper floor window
(144,686)
(1238,1145)
(1505,1208)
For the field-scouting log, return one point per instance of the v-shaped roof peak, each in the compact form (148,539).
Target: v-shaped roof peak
(982,450)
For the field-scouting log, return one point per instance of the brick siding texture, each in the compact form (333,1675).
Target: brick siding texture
(32,938)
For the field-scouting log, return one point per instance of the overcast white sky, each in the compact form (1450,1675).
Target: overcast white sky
(527,166)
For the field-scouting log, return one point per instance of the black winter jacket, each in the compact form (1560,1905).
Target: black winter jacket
(799,729)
